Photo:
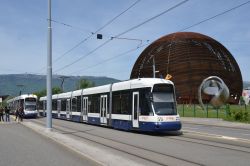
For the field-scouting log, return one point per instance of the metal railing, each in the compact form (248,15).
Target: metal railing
(229,112)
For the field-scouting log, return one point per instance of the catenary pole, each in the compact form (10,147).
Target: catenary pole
(49,69)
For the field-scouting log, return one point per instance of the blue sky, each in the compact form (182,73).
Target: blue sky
(23,33)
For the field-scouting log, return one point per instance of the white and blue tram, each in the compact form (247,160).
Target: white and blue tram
(145,104)
(27,101)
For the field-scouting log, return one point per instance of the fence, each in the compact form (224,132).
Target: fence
(230,112)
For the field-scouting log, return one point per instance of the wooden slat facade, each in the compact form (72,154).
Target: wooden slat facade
(190,57)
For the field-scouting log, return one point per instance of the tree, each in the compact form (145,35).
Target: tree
(55,90)
(40,93)
(83,83)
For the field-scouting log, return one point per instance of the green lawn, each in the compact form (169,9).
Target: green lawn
(230,112)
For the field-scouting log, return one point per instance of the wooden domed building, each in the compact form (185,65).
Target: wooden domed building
(189,58)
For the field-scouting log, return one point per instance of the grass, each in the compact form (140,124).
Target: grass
(230,112)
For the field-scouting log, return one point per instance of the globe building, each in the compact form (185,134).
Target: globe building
(188,58)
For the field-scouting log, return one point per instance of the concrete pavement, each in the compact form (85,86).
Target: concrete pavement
(103,157)
(96,154)
(20,146)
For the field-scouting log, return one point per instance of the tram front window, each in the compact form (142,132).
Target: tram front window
(30,107)
(164,100)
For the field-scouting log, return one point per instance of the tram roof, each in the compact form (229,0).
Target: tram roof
(22,97)
(129,84)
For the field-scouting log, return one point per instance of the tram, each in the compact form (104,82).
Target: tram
(144,104)
(27,101)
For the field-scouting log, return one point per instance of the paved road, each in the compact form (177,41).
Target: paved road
(217,130)
(164,149)
(20,146)
(217,127)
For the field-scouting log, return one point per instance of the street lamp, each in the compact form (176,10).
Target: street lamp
(152,56)
(20,88)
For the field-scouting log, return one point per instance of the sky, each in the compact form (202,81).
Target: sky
(24,26)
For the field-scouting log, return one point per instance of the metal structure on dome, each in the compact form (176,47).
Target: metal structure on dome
(187,58)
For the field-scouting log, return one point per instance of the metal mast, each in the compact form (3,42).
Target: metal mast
(49,70)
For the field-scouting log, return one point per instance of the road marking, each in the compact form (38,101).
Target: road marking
(218,136)
(194,128)
(245,134)
(230,138)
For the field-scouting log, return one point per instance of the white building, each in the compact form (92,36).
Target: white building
(246,95)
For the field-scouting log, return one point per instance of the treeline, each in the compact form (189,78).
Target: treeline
(81,84)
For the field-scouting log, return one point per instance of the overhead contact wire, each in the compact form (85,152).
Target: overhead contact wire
(130,29)
(217,15)
(92,33)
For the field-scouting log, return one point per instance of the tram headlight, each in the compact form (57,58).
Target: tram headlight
(157,125)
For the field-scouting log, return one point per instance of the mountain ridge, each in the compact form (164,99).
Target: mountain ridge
(12,84)
(30,83)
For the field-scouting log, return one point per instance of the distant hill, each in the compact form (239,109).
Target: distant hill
(246,84)
(32,83)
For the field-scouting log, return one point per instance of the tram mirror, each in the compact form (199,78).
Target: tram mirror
(214,87)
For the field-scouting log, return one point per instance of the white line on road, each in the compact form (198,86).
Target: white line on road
(193,128)
(245,134)
(218,136)
(230,138)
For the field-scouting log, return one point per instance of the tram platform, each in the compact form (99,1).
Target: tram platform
(90,151)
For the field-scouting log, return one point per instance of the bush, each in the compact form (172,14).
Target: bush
(245,116)
(237,115)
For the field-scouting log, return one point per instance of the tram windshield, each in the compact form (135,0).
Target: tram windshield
(164,99)
(30,105)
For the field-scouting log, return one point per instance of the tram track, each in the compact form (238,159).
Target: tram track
(217,143)
(115,144)
(218,126)
(207,142)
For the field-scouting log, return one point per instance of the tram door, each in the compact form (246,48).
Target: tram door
(44,108)
(103,109)
(59,106)
(85,109)
(135,109)
(68,109)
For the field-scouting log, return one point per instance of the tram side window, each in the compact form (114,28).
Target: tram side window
(145,103)
(63,108)
(40,105)
(45,105)
(116,103)
(125,109)
(78,104)
(54,104)
(74,102)
(20,103)
(94,108)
